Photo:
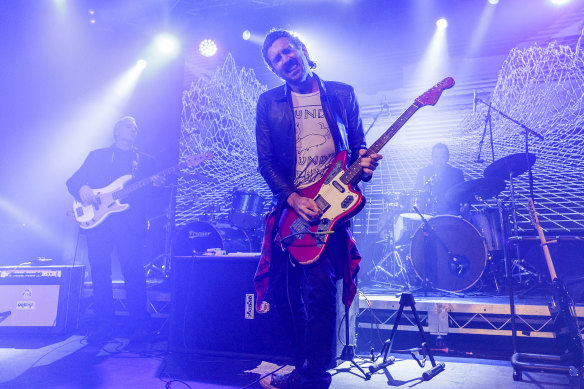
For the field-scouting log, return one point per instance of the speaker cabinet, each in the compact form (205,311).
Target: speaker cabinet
(213,309)
(42,299)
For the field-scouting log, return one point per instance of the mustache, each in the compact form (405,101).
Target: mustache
(290,64)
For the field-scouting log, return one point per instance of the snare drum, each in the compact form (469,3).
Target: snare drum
(196,237)
(488,223)
(454,259)
(246,209)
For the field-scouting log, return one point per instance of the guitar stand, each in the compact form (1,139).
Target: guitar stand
(548,364)
(407,299)
(570,363)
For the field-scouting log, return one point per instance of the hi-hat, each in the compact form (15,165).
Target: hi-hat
(475,190)
(510,166)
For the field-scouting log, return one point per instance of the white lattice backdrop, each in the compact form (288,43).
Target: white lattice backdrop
(218,115)
(541,87)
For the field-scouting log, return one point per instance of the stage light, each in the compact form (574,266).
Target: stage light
(92,19)
(208,48)
(141,64)
(442,23)
(493,2)
(166,44)
(246,35)
(560,2)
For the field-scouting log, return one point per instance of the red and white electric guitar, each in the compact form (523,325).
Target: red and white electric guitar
(337,194)
(107,199)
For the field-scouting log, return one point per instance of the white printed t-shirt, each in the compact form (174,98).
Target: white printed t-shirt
(315,148)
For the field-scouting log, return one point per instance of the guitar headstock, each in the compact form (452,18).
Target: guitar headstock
(431,96)
(195,160)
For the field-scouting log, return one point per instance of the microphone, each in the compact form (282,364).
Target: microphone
(474,101)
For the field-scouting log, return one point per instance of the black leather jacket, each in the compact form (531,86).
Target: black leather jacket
(276,137)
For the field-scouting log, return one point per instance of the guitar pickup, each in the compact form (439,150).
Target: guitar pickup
(333,173)
(323,205)
(338,187)
(79,211)
(347,201)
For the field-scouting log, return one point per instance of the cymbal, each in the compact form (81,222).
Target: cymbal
(475,190)
(510,166)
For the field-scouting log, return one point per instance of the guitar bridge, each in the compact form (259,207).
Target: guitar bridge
(300,227)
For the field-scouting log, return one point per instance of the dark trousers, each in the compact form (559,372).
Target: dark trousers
(115,233)
(305,298)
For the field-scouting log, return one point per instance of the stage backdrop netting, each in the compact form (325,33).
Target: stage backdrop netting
(542,87)
(218,115)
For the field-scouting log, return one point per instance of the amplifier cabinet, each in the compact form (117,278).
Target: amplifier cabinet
(213,309)
(40,299)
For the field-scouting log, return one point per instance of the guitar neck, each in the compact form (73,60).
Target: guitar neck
(542,239)
(353,174)
(126,190)
(546,253)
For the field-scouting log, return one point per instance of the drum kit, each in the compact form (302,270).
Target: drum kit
(240,231)
(450,253)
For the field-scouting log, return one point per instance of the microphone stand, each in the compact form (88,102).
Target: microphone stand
(487,122)
(508,268)
(383,106)
(431,257)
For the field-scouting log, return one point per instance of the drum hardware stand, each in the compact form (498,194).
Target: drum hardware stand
(429,236)
(406,299)
(393,259)
(166,256)
(396,261)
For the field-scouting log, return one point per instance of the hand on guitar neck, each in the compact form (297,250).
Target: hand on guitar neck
(369,163)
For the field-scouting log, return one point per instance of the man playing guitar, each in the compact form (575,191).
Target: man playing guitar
(123,231)
(300,127)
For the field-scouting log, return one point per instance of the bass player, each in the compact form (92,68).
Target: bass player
(122,231)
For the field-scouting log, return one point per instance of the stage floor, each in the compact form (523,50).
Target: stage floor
(69,362)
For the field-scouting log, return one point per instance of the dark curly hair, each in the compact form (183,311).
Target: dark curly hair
(276,34)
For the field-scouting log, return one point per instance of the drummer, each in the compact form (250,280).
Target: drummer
(437,179)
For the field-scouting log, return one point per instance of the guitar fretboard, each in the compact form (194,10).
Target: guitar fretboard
(126,190)
(353,174)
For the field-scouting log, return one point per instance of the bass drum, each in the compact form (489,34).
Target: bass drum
(196,237)
(454,259)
